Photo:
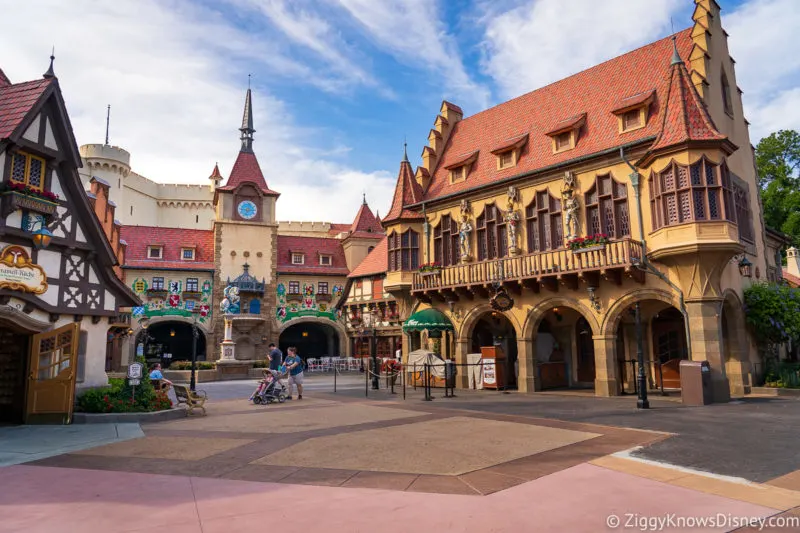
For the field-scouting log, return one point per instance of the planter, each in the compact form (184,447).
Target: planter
(294,297)
(123,418)
(428,273)
(12,201)
(184,376)
(156,292)
(595,248)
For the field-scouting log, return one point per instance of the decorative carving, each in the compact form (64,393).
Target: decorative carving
(501,301)
(571,206)
(464,232)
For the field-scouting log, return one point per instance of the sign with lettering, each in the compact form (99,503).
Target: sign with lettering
(135,371)
(19,273)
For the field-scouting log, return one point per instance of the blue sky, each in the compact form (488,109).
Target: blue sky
(338,84)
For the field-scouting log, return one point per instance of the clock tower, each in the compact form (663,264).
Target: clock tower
(245,249)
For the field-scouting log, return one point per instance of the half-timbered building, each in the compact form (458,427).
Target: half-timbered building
(59,295)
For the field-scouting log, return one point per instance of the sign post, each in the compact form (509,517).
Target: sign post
(134,378)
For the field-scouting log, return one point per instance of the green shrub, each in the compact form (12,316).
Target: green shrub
(206,365)
(773,312)
(783,375)
(187,365)
(261,364)
(118,397)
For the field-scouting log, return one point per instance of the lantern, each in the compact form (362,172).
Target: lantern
(746,268)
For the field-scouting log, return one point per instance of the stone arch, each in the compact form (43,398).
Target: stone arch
(341,332)
(537,313)
(612,316)
(475,314)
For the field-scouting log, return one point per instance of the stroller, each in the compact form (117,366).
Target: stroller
(270,389)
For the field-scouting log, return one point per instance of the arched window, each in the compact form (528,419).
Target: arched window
(680,194)
(404,250)
(491,230)
(607,208)
(255,306)
(445,242)
(543,224)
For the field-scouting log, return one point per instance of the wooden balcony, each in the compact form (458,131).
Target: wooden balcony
(549,269)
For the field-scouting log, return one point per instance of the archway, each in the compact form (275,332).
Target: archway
(168,341)
(312,339)
(494,329)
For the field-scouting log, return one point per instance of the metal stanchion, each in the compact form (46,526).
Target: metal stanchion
(426,383)
(661,378)
(415,376)
(404,383)
(366,382)
(335,372)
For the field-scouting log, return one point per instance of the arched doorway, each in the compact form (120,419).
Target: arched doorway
(584,365)
(14,368)
(312,339)
(495,329)
(170,341)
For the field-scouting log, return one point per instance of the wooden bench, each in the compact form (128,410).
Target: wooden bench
(190,399)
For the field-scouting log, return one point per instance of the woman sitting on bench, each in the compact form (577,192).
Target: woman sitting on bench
(156,375)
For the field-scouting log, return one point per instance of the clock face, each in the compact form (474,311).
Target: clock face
(247,209)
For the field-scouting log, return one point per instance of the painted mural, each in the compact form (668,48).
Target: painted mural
(172,300)
(306,303)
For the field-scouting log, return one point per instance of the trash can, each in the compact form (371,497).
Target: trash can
(696,383)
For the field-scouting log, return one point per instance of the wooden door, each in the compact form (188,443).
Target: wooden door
(51,381)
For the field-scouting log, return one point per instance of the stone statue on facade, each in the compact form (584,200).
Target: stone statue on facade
(464,232)
(229,306)
(511,218)
(230,301)
(571,206)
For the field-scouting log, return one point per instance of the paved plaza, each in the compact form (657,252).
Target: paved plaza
(482,461)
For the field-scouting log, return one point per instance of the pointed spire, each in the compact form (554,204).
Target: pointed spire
(215,174)
(364,198)
(50,73)
(108,120)
(247,121)
(407,191)
(405,151)
(676,57)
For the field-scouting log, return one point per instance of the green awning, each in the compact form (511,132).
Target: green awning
(428,319)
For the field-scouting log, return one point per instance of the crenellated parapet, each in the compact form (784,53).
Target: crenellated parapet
(102,157)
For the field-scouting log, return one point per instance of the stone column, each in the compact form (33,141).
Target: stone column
(527,381)
(606,381)
(462,349)
(706,337)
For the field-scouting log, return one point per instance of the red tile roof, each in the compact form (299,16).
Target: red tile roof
(376,262)
(4,81)
(312,247)
(365,221)
(172,239)
(791,278)
(684,115)
(215,174)
(596,92)
(406,192)
(568,124)
(336,229)
(246,169)
(634,100)
(16,101)
(513,142)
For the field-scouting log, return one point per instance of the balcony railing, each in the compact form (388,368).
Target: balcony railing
(616,255)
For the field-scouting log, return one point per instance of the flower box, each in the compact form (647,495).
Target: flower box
(12,201)
(295,296)
(595,248)
(323,297)
(194,295)
(427,273)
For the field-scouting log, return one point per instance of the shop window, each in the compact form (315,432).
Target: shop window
(607,208)
(27,169)
(404,250)
(681,194)
(446,242)
(543,223)
(491,234)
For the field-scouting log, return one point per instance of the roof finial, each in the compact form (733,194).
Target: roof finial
(50,73)
(676,57)
(247,122)
(364,197)
(405,150)
(108,119)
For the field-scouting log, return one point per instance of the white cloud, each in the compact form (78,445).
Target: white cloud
(413,33)
(763,42)
(174,74)
(542,41)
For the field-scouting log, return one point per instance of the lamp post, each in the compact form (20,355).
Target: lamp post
(195,334)
(373,313)
(642,402)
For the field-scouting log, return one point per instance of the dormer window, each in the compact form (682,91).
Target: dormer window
(565,134)
(298,259)
(459,168)
(27,170)
(632,111)
(325,260)
(187,254)
(155,252)
(506,159)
